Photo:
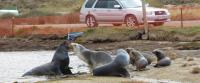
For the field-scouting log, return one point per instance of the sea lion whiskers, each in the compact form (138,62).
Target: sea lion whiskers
(80,49)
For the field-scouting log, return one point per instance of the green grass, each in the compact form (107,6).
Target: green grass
(189,31)
(44,7)
(108,34)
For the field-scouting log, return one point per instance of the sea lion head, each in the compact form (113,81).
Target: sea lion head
(128,50)
(134,54)
(159,54)
(77,47)
(61,52)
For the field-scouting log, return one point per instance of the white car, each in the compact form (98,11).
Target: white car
(11,12)
(118,12)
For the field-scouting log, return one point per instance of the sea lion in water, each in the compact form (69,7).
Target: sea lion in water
(58,66)
(137,59)
(92,58)
(115,68)
(162,59)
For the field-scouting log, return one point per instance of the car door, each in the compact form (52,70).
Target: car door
(115,11)
(100,11)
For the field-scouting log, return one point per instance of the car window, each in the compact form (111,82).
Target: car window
(111,3)
(106,4)
(89,3)
(102,4)
(131,3)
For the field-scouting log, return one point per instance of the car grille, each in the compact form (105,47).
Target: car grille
(160,13)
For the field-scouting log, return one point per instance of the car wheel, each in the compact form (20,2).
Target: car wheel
(117,24)
(131,21)
(91,21)
(158,24)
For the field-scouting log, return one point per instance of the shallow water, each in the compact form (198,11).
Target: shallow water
(14,64)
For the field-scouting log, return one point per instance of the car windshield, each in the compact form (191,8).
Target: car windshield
(131,3)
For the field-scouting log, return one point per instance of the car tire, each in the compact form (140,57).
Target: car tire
(117,24)
(131,21)
(158,24)
(91,21)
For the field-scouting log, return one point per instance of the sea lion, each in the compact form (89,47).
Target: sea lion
(92,58)
(148,57)
(115,68)
(137,59)
(58,66)
(162,59)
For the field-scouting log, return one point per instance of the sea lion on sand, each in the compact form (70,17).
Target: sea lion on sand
(137,59)
(115,68)
(162,59)
(58,66)
(92,58)
(148,57)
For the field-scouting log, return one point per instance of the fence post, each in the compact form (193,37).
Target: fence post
(146,29)
(181,17)
(13,26)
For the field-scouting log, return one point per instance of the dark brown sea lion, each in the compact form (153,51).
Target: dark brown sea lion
(58,65)
(137,59)
(162,59)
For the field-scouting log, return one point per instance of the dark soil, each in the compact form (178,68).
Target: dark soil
(34,44)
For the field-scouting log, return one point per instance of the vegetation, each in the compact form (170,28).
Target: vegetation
(188,31)
(43,7)
(161,3)
(106,34)
(25,6)
(35,13)
(188,14)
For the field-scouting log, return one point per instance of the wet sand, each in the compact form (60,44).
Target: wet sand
(91,79)
(178,72)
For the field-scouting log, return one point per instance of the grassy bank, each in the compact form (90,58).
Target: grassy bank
(112,34)
(106,34)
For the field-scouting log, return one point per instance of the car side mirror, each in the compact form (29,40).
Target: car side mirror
(117,7)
